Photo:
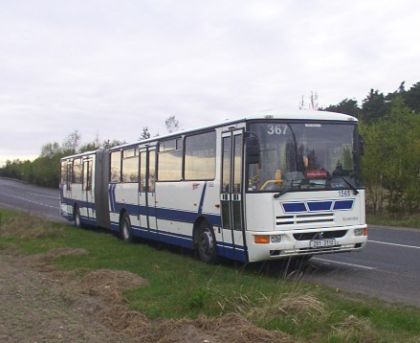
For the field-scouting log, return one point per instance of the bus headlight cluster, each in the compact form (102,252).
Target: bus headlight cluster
(275,238)
(361,232)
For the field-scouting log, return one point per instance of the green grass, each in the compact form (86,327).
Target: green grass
(411,221)
(181,286)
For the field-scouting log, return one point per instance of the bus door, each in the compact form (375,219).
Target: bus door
(231,192)
(147,193)
(87,187)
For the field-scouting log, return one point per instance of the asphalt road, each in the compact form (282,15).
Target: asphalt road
(388,268)
(20,196)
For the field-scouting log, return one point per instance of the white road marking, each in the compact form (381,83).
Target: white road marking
(395,244)
(354,265)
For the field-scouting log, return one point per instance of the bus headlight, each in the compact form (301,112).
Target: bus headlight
(361,232)
(275,238)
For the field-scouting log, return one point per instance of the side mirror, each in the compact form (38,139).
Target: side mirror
(252,149)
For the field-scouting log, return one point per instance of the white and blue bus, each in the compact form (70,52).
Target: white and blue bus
(259,188)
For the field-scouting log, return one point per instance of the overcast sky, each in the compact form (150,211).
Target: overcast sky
(108,68)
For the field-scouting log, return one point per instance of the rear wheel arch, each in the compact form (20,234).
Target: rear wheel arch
(125,232)
(199,222)
(76,215)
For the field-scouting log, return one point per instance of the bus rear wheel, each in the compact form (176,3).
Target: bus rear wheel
(125,228)
(206,244)
(77,222)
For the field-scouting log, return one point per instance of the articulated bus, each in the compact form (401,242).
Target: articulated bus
(260,188)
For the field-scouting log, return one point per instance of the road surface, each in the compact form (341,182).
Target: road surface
(388,268)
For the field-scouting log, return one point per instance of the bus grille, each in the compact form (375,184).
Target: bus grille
(306,236)
(311,218)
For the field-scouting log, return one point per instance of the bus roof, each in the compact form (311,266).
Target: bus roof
(267,115)
(296,115)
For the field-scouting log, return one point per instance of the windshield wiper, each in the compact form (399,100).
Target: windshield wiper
(279,194)
(353,187)
(293,183)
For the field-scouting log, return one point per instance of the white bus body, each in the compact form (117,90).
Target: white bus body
(250,190)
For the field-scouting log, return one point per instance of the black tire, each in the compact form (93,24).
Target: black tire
(125,228)
(77,221)
(206,244)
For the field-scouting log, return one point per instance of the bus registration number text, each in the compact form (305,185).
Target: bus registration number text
(322,243)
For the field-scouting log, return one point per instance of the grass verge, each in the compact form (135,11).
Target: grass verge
(410,221)
(180,286)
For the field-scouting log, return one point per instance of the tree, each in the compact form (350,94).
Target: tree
(374,107)
(71,142)
(145,134)
(50,149)
(392,160)
(313,102)
(346,106)
(412,98)
(172,124)
(115,142)
(91,146)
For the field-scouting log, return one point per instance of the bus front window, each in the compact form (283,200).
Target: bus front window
(303,156)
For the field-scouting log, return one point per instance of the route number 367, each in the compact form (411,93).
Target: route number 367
(276,129)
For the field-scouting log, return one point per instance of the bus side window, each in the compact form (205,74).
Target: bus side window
(170,160)
(69,174)
(115,167)
(142,186)
(130,162)
(77,171)
(200,156)
(152,175)
(87,175)
(63,172)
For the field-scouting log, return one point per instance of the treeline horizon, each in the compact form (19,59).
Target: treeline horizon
(389,124)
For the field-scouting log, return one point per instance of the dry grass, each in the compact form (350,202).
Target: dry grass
(353,329)
(29,226)
(290,304)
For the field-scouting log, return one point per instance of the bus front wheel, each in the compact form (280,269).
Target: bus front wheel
(206,244)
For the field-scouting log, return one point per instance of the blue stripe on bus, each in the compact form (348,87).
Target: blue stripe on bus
(319,205)
(166,213)
(294,207)
(87,221)
(343,205)
(228,250)
(314,206)
(80,203)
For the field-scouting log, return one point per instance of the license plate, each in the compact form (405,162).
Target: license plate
(322,243)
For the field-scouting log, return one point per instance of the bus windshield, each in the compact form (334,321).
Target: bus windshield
(304,156)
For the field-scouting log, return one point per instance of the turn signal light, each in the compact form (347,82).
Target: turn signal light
(365,231)
(262,239)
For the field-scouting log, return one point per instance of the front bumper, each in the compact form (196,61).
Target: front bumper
(298,242)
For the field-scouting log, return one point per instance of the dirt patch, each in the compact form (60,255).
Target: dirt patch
(35,308)
(43,262)
(229,328)
(109,284)
(39,303)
